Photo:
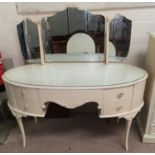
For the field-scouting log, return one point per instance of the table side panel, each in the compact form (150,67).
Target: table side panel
(138,94)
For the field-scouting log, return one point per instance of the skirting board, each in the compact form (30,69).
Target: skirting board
(149,138)
(145,138)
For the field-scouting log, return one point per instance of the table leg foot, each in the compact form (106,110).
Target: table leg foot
(36,120)
(117,120)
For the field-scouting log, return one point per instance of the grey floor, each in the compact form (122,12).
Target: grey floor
(79,133)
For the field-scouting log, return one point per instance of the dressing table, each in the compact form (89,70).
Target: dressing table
(117,88)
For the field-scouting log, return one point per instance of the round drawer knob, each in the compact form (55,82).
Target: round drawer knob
(119,108)
(23,93)
(26,107)
(120,95)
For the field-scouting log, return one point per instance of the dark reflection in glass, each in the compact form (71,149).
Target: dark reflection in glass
(28,39)
(120,35)
(60,27)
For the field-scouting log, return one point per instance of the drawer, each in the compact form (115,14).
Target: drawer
(10,95)
(26,93)
(118,94)
(117,107)
(27,100)
(71,98)
(18,97)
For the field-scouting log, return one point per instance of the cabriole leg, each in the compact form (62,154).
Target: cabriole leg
(129,118)
(21,127)
(128,126)
(35,119)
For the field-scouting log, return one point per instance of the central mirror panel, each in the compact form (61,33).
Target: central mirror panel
(73,35)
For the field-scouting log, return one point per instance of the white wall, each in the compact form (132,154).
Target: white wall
(9,45)
(143,22)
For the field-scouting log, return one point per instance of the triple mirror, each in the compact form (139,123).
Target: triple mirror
(75,35)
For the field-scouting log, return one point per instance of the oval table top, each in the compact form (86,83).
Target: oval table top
(75,75)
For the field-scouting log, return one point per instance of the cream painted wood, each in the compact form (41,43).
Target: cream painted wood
(118,94)
(128,126)
(36,120)
(117,100)
(106,40)
(138,94)
(20,124)
(117,107)
(111,86)
(129,117)
(41,45)
(146,119)
(18,116)
(29,97)
(71,98)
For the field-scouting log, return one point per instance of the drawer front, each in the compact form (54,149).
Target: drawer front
(117,107)
(118,94)
(71,98)
(27,100)
(19,98)
(10,94)
(28,93)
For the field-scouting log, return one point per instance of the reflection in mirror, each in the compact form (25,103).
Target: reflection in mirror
(83,29)
(28,39)
(74,44)
(75,35)
(119,37)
